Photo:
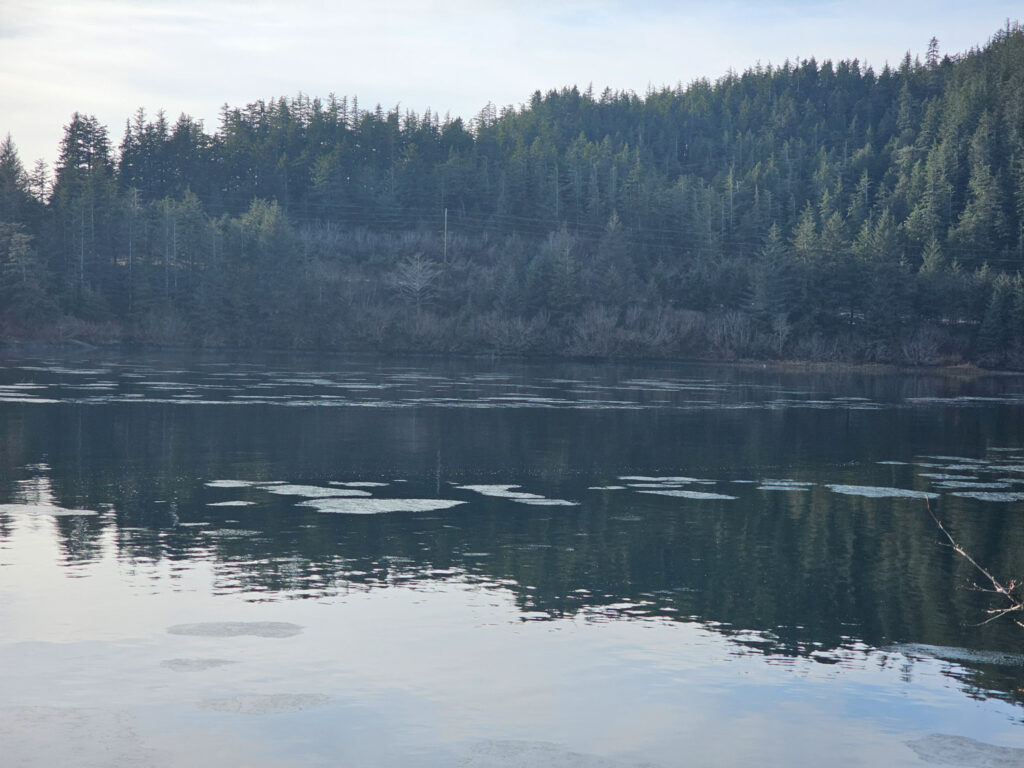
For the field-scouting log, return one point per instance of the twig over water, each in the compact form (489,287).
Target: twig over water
(998,588)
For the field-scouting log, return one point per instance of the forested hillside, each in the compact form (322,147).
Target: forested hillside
(813,210)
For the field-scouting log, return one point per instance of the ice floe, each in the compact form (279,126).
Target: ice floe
(515,754)
(313,491)
(964,655)
(963,485)
(508,492)
(194,665)
(878,492)
(1003,496)
(45,509)
(229,483)
(950,750)
(266,704)
(235,503)
(237,629)
(364,506)
(645,479)
(681,494)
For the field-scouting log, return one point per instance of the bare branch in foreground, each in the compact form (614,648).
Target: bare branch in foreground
(997,588)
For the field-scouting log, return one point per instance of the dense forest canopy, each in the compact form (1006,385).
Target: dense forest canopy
(814,210)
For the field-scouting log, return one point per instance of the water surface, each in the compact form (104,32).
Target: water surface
(278,560)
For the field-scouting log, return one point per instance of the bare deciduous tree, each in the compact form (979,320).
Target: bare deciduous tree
(415,279)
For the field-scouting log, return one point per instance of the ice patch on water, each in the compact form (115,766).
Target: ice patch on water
(73,736)
(606,488)
(266,704)
(691,494)
(499,491)
(229,483)
(519,754)
(358,484)
(961,485)
(661,486)
(230,533)
(313,491)
(237,503)
(790,483)
(27,399)
(644,479)
(549,502)
(878,492)
(237,629)
(1003,496)
(507,492)
(966,655)
(361,506)
(941,476)
(194,665)
(45,509)
(956,459)
(946,749)
(892,463)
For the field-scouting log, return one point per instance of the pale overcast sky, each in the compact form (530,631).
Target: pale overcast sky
(109,57)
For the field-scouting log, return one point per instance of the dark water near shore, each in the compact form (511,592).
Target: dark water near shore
(301,561)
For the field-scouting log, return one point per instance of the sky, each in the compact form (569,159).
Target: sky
(109,57)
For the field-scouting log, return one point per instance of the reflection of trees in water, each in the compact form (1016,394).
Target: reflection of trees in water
(808,572)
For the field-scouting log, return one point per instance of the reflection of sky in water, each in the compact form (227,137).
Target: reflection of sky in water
(438,672)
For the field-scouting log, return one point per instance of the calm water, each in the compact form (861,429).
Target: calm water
(216,560)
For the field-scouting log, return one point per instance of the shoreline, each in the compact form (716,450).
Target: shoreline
(959,370)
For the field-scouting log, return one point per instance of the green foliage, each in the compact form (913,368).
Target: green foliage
(820,204)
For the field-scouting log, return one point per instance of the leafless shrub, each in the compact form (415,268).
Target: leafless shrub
(595,332)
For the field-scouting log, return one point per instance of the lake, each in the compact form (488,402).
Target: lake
(271,560)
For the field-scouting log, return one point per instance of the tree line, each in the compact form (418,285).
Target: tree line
(809,210)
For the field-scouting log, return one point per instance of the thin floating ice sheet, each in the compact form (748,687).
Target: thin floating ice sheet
(680,494)
(237,629)
(194,665)
(950,750)
(548,502)
(662,480)
(880,492)
(235,503)
(961,485)
(44,509)
(266,704)
(229,483)
(1001,496)
(508,492)
(313,491)
(363,506)
(963,655)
